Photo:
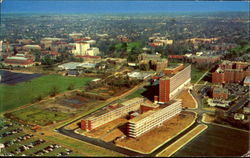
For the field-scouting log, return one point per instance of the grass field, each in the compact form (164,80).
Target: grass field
(182,141)
(216,141)
(196,74)
(87,149)
(13,96)
(38,116)
(130,45)
(137,93)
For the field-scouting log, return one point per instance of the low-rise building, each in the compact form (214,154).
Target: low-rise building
(220,93)
(238,116)
(18,60)
(218,103)
(231,72)
(69,66)
(31,47)
(246,110)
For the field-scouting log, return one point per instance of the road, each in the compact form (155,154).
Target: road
(239,104)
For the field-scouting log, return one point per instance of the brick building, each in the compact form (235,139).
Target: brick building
(154,61)
(18,60)
(231,72)
(171,84)
(203,59)
(174,70)
(220,93)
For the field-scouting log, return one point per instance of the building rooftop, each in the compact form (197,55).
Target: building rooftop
(220,90)
(150,105)
(17,58)
(128,102)
(142,116)
(247,79)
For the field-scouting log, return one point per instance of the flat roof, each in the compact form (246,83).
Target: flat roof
(150,104)
(220,90)
(142,116)
(131,101)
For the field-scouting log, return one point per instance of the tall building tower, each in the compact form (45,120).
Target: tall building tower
(81,48)
(164,90)
(172,84)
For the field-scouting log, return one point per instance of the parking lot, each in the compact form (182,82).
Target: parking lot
(18,143)
(235,89)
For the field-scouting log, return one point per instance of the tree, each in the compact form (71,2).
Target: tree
(71,86)
(54,91)
(47,60)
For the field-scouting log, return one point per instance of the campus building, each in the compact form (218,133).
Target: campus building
(203,59)
(141,124)
(231,72)
(154,61)
(18,60)
(220,93)
(84,49)
(111,113)
(173,82)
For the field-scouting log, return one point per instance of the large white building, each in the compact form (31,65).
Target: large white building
(83,48)
(153,118)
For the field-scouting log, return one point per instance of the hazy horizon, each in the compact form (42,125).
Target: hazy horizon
(120,7)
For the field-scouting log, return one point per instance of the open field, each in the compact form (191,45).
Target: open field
(137,93)
(196,74)
(187,99)
(208,118)
(130,45)
(216,141)
(182,141)
(27,92)
(85,149)
(53,110)
(159,135)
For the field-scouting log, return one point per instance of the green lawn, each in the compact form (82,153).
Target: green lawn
(13,96)
(89,149)
(130,45)
(196,74)
(39,116)
(137,93)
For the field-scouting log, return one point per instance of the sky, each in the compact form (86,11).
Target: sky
(87,6)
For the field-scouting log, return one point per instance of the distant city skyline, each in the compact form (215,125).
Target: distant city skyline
(89,7)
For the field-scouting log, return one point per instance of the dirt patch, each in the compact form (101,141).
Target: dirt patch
(73,125)
(105,129)
(187,99)
(73,101)
(159,135)
(208,118)
(116,133)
